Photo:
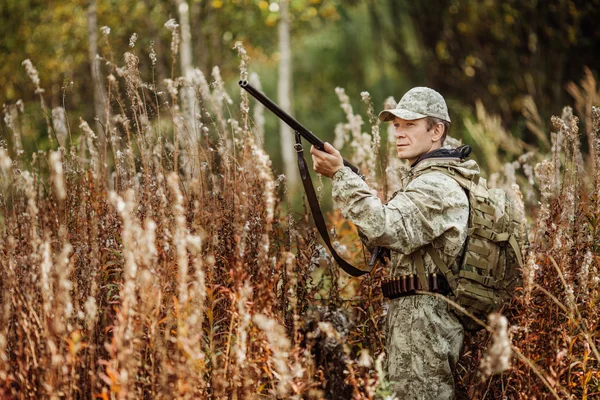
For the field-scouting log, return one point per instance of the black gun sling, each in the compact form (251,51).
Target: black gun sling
(315,209)
(378,252)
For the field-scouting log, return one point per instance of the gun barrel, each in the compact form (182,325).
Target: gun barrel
(288,119)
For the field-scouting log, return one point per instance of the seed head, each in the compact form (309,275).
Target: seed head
(132,40)
(171,24)
(497,358)
(33,75)
(243,54)
(153,57)
(57,176)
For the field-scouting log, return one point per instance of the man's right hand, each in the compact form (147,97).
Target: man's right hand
(327,162)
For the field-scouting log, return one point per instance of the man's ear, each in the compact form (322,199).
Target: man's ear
(438,132)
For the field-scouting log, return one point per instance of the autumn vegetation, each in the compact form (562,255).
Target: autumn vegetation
(160,257)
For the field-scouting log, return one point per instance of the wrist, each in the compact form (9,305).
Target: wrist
(336,172)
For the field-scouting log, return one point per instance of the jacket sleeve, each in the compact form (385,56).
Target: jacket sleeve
(432,204)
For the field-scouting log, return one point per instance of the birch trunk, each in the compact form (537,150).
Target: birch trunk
(97,86)
(188,98)
(199,38)
(284,93)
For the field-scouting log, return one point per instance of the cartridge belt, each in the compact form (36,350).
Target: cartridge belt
(406,285)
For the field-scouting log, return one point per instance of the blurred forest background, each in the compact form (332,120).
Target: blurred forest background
(488,58)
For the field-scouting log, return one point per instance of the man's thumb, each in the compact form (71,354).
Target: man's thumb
(329,148)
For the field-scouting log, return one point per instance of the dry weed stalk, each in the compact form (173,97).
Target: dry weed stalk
(109,308)
(557,300)
(490,135)
(361,143)
(587,97)
(173,272)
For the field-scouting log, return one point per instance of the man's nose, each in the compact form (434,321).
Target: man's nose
(399,133)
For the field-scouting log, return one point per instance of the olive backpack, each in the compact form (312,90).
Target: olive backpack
(484,275)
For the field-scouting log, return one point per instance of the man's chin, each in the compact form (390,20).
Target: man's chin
(403,155)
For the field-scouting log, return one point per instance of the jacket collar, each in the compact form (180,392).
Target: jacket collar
(459,153)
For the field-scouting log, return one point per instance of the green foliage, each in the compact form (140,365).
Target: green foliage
(50,33)
(497,52)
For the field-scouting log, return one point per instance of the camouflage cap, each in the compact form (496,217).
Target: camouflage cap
(417,103)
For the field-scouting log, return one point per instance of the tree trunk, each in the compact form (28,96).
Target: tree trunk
(97,86)
(187,69)
(284,93)
(188,98)
(201,48)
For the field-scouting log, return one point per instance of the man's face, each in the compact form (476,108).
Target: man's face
(413,138)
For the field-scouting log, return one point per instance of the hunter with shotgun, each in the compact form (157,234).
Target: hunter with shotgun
(445,232)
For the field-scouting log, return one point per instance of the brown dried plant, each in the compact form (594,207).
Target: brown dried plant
(159,263)
(554,322)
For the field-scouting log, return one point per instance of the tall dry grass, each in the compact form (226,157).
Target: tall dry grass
(160,263)
(554,317)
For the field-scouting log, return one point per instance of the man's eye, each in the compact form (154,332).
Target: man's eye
(410,124)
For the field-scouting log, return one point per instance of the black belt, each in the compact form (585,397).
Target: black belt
(407,285)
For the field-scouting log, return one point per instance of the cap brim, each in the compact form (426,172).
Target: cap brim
(389,115)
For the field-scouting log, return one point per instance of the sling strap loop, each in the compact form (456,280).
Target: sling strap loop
(502,237)
(484,251)
(484,280)
(470,259)
(485,208)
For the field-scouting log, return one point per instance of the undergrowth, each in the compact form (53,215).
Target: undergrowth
(156,256)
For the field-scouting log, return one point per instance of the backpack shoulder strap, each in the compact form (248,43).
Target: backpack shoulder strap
(437,260)
(465,183)
(468,185)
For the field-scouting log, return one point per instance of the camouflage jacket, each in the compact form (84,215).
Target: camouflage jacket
(423,338)
(430,208)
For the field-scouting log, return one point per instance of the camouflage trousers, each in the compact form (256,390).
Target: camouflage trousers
(423,342)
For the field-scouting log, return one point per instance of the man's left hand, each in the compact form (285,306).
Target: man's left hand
(327,162)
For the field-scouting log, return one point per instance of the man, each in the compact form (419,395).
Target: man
(423,335)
